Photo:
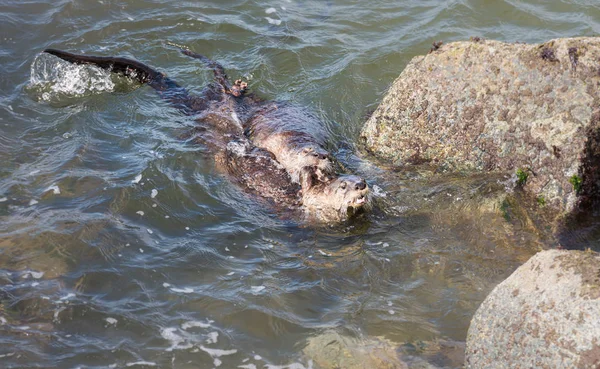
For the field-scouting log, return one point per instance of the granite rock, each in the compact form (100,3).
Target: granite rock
(494,106)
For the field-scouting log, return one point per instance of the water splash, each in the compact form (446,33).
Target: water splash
(51,78)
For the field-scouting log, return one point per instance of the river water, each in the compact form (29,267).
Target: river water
(121,247)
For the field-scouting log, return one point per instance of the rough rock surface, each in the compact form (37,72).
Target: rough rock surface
(545,315)
(489,105)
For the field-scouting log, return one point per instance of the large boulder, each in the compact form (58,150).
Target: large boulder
(545,315)
(489,105)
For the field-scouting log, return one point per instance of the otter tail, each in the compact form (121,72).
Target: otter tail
(166,87)
(128,67)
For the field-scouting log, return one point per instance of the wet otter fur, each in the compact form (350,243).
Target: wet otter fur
(256,170)
(292,133)
(223,110)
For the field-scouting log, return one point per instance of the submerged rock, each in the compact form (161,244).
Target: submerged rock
(545,315)
(332,350)
(494,106)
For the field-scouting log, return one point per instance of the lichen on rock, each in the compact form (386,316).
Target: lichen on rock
(545,315)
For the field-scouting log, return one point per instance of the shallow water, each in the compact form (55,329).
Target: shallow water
(99,270)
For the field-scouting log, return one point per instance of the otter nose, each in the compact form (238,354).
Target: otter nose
(361,185)
(320,156)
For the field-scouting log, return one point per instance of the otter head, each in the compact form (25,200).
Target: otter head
(336,199)
(317,158)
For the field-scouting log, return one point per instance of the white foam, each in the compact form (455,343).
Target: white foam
(111,321)
(231,273)
(7,355)
(149,230)
(33,202)
(166,284)
(153,193)
(137,179)
(3,199)
(175,339)
(378,191)
(182,290)
(272,21)
(68,78)
(212,337)
(323,253)
(141,213)
(37,275)
(195,323)
(257,289)
(270,10)
(248,366)
(141,250)
(257,357)
(146,363)
(214,353)
(291,366)
(3,320)
(187,228)
(68,296)
(54,189)
(392,312)
(35,284)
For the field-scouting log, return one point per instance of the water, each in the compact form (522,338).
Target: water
(120,246)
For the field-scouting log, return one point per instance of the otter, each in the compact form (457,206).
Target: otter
(292,133)
(223,112)
(257,171)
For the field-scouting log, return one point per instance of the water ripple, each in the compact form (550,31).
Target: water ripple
(198,272)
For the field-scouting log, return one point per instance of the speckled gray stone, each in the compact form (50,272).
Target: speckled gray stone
(545,315)
(489,105)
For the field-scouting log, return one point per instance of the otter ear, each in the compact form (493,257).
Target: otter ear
(308,177)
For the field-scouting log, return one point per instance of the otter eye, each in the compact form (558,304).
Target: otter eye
(306,150)
(343,185)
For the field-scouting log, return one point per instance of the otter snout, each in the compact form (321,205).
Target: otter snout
(361,185)
(320,156)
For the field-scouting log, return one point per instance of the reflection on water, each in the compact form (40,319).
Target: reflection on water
(120,246)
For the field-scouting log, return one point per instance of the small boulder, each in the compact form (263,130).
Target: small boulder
(545,315)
